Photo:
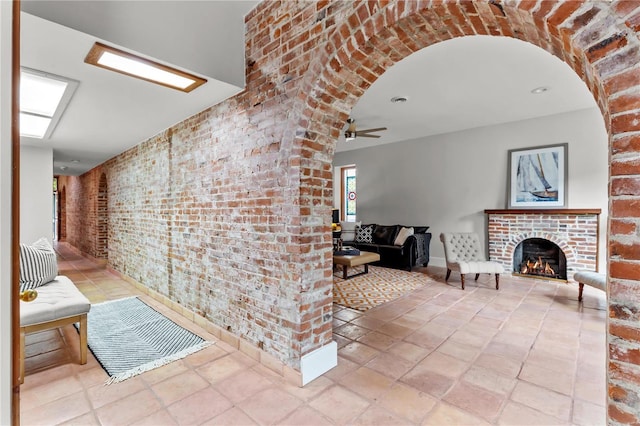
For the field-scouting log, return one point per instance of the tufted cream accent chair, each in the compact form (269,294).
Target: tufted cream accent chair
(464,254)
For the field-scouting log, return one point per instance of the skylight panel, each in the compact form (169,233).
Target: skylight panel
(40,95)
(43,99)
(33,126)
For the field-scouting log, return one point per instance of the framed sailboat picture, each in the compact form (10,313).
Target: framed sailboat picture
(538,177)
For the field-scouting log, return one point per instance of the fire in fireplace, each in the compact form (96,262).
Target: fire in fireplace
(539,267)
(540,258)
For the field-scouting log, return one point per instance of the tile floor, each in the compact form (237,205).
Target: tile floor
(438,356)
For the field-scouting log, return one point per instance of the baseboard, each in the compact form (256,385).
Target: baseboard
(318,362)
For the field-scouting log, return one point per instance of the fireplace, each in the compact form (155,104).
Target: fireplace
(539,258)
(566,239)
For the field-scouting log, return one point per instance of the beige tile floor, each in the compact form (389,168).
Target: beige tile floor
(526,354)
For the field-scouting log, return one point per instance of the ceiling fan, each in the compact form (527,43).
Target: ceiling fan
(351,133)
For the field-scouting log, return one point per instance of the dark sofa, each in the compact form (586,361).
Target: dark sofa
(414,251)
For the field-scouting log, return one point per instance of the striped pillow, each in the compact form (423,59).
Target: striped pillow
(38,264)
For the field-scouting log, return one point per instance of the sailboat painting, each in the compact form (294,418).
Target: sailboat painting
(538,177)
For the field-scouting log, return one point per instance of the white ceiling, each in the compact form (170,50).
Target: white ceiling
(465,83)
(454,85)
(110,112)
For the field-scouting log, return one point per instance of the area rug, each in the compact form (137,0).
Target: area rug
(128,337)
(379,286)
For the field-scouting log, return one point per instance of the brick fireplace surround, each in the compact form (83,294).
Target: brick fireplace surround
(575,231)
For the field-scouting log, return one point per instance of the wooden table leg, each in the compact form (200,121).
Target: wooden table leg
(344,272)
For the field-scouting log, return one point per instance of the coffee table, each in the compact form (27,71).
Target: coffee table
(364,258)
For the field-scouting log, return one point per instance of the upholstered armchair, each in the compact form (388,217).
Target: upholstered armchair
(464,254)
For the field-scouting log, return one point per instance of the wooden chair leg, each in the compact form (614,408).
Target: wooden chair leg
(580,289)
(477,276)
(497,281)
(22,355)
(83,339)
(462,280)
(448,274)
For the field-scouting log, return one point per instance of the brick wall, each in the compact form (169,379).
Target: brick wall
(228,212)
(78,218)
(575,234)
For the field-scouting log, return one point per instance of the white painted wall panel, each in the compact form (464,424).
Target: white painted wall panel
(36,193)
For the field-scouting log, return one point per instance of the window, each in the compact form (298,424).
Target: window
(348,193)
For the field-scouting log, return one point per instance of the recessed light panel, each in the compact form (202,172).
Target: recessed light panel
(126,63)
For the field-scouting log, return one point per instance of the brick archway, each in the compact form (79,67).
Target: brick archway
(598,40)
(562,244)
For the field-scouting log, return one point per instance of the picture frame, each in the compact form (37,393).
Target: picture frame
(537,177)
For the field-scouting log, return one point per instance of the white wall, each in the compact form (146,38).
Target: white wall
(36,193)
(447,181)
(5,212)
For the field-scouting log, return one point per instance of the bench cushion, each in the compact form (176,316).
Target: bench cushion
(57,299)
(590,278)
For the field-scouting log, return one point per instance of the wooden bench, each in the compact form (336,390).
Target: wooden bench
(590,278)
(59,303)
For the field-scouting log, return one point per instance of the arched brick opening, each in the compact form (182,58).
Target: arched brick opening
(102,219)
(598,40)
(567,249)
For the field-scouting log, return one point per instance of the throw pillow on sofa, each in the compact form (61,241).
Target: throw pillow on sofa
(364,234)
(385,234)
(403,235)
(38,264)
(349,230)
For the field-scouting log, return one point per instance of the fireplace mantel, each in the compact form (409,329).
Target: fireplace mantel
(546,211)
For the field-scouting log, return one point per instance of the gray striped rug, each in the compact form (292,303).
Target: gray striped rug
(128,337)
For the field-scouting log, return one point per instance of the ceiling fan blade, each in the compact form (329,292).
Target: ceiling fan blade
(366,135)
(377,129)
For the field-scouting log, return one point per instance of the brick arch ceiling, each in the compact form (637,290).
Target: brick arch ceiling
(598,40)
